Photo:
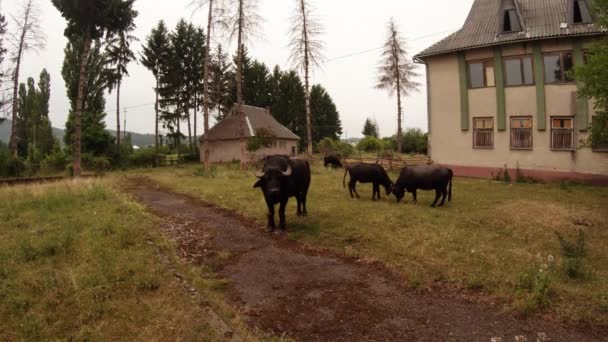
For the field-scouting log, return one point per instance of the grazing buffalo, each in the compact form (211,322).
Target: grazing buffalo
(333,160)
(280,179)
(425,177)
(367,173)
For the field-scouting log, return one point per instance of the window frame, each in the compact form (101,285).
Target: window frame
(562,117)
(483,62)
(571,12)
(475,129)
(523,74)
(531,129)
(563,79)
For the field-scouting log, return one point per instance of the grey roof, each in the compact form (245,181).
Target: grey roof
(255,118)
(542,19)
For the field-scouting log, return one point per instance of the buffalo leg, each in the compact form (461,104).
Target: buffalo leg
(304,210)
(299,200)
(353,186)
(415,196)
(374,192)
(350,189)
(437,195)
(282,206)
(445,195)
(271,225)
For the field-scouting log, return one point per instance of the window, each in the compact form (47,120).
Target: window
(510,21)
(558,67)
(483,133)
(519,71)
(602,146)
(521,133)
(562,134)
(481,74)
(580,12)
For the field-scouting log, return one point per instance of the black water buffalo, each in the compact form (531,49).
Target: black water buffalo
(333,160)
(425,177)
(367,173)
(280,179)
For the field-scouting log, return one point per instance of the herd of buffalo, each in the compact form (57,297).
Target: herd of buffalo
(282,178)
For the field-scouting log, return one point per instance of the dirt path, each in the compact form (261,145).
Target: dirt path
(314,296)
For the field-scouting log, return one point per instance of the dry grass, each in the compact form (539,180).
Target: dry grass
(487,239)
(75,265)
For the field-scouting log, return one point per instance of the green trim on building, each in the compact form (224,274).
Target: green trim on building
(539,77)
(464,92)
(582,108)
(501,109)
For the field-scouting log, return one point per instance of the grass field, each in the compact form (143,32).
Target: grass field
(495,239)
(75,265)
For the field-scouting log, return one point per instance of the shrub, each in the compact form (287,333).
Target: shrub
(415,141)
(327,145)
(56,161)
(145,157)
(101,165)
(536,282)
(345,149)
(10,166)
(370,144)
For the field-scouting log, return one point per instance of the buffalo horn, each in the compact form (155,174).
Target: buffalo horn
(288,172)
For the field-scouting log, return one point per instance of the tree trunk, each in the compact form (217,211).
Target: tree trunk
(77,135)
(187,111)
(206,83)
(16,82)
(195,122)
(307,83)
(239,89)
(118,147)
(156,144)
(399,110)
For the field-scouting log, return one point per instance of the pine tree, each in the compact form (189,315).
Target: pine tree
(220,84)
(326,119)
(396,74)
(2,52)
(118,56)
(155,56)
(370,128)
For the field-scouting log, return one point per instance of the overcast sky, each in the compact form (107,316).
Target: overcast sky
(351,27)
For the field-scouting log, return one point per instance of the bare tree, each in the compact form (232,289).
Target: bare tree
(306,52)
(396,73)
(242,23)
(28,35)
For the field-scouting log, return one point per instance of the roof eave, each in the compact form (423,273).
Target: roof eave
(421,56)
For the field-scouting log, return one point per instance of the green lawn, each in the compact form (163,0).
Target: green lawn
(494,238)
(75,264)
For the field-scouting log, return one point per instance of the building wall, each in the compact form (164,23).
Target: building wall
(230,150)
(450,145)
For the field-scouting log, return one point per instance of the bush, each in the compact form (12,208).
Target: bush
(10,166)
(536,283)
(145,157)
(415,141)
(56,161)
(345,148)
(370,144)
(101,165)
(327,145)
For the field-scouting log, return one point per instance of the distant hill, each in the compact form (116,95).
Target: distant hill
(137,139)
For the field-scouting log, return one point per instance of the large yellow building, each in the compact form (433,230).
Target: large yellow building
(501,94)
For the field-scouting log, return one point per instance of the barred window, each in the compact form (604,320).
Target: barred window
(562,134)
(483,133)
(521,133)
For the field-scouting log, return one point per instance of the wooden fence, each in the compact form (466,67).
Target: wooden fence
(391,163)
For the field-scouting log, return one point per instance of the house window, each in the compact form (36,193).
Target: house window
(580,12)
(521,133)
(562,134)
(603,145)
(510,21)
(481,74)
(483,133)
(558,67)
(519,71)
(282,144)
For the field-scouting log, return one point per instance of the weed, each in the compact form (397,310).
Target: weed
(574,254)
(201,172)
(536,284)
